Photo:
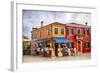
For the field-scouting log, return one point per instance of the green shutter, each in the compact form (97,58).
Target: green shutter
(71,31)
(87,44)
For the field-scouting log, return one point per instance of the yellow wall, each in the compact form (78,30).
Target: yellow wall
(44,32)
(59,31)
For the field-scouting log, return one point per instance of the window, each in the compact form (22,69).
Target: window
(33,35)
(87,32)
(48,31)
(71,45)
(70,31)
(87,44)
(56,30)
(40,34)
(62,31)
(79,31)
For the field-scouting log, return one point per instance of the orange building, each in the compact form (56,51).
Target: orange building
(58,35)
(49,35)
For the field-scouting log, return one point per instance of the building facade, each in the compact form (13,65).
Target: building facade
(50,35)
(80,36)
(58,35)
(49,32)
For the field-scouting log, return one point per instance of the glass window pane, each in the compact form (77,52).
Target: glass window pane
(87,44)
(48,31)
(62,31)
(86,32)
(79,31)
(56,30)
(71,31)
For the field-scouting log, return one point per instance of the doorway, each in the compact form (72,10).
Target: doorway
(79,46)
(56,46)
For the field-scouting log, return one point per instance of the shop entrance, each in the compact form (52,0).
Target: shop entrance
(62,45)
(56,46)
(79,46)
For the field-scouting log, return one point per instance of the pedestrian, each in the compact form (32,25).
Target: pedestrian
(32,50)
(65,51)
(42,52)
(59,51)
(38,51)
(75,51)
(69,52)
(52,52)
(72,52)
(46,51)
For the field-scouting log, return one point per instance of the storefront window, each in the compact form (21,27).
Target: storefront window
(62,31)
(87,44)
(71,31)
(56,30)
(71,45)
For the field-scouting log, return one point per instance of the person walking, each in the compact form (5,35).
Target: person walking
(59,51)
(38,51)
(69,53)
(65,51)
(42,52)
(52,52)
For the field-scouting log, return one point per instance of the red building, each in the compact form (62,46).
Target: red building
(80,37)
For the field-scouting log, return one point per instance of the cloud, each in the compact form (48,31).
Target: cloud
(32,18)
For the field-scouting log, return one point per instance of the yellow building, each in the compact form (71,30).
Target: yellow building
(49,34)
(49,31)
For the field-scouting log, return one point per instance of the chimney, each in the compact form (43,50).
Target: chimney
(41,23)
(86,23)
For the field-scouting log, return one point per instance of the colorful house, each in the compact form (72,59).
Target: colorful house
(58,34)
(49,35)
(80,36)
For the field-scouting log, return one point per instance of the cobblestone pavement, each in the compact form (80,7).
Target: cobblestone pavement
(30,58)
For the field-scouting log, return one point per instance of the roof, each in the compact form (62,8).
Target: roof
(54,23)
(77,25)
(58,23)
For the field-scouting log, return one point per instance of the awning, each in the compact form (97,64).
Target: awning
(42,40)
(57,40)
(61,40)
(38,41)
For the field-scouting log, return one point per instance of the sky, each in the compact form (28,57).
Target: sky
(33,18)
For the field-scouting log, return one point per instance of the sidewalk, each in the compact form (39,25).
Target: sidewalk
(30,58)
